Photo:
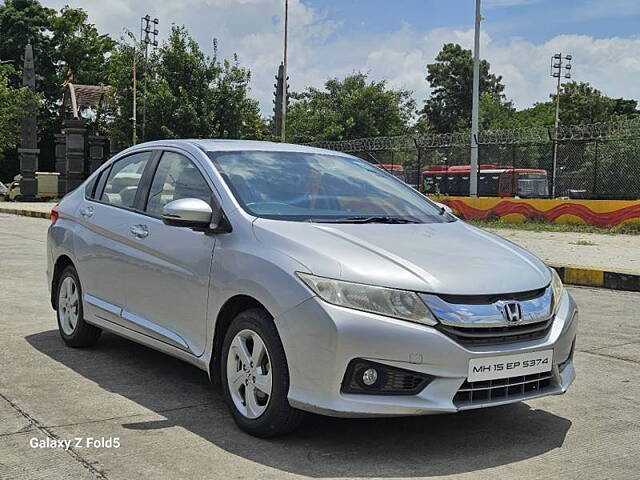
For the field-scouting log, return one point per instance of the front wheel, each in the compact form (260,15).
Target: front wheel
(73,329)
(255,376)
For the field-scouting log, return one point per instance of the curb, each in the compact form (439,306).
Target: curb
(26,213)
(588,277)
(593,277)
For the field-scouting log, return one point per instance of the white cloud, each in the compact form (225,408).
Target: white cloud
(508,3)
(318,49)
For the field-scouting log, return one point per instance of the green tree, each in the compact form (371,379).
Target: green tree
(66,47)
(21,22)
(350,108)
(188,94)
(13,104)
(451,80)
(580,103)
(495,113)
(82,50)
(542,114)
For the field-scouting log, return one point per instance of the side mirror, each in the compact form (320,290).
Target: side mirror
(446,208)
(188,212)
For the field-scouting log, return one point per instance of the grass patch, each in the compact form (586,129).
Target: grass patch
(534,225)
(585,243)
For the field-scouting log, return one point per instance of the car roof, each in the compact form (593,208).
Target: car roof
(223,145)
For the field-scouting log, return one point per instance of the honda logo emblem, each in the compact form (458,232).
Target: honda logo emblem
(512,312)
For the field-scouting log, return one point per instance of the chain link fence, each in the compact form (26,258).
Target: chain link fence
(599,161)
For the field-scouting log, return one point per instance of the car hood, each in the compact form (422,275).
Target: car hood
(448,258)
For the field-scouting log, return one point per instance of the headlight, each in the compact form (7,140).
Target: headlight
(558,289)
(383,301)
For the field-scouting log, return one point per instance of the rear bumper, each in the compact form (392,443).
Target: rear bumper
(321,339)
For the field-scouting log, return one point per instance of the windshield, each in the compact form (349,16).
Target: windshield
(532,185)
(321,187)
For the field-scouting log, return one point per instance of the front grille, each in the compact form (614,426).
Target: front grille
(496,335)
(471,393)
(486,299)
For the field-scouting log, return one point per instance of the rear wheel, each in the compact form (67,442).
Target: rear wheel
(73,329)
(255,376)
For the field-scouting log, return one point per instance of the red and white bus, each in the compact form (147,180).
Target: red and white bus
(493,181)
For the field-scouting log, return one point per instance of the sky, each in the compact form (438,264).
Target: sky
(394,40)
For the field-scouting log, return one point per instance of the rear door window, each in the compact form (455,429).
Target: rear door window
(94,189)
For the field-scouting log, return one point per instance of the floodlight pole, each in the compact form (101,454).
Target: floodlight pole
(473,174)
(555,140)
(147,41)
(556,72)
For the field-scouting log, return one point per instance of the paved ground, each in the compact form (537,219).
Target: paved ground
(35,206)
(172,424)
(616,253)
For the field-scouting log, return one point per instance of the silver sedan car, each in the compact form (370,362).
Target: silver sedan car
(302,280)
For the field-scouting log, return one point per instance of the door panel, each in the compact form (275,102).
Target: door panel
(171,266)
(169,283)
(101,239)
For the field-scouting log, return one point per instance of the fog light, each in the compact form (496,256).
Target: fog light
(370,376)
(367,377)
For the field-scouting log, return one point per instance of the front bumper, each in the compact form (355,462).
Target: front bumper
(321,339)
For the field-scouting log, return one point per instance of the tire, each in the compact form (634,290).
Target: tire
(270,415)
(73,329)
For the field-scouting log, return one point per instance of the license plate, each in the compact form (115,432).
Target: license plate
(504,366)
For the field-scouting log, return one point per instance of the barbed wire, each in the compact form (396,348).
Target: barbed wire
(600,131)
(515,136)
(371,144)
(402,142)
(443,140)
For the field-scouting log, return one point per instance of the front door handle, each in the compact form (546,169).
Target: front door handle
(139,231)
(87,212)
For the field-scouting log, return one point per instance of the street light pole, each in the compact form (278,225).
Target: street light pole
(134,119)
(556,72)
(285,77)
(473,174)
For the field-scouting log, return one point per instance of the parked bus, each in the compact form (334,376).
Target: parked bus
(493,181)
(393,168)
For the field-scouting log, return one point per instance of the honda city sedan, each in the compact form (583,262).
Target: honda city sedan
(304,279)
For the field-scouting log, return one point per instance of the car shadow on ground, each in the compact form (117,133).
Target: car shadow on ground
(322,447)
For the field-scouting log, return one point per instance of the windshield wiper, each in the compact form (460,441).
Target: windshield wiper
(364,219)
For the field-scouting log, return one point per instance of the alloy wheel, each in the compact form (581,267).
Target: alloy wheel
(68,305)
(249,374)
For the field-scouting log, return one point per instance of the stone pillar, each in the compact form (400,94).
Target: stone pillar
(114,148)
(61,162)
(29,143)
(75,131)
(98,146)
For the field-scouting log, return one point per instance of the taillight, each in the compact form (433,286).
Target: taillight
(54,214)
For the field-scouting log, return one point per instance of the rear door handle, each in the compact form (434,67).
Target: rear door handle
(139,231)
(87,212)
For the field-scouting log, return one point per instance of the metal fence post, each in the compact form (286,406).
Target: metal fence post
(595,171)
(554,145)
(419,154)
